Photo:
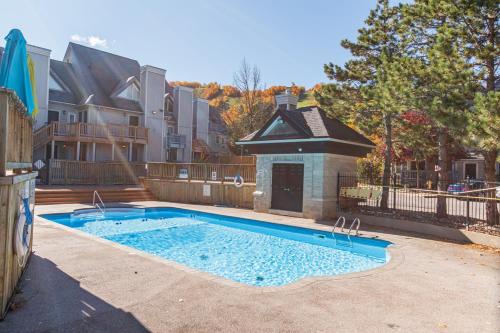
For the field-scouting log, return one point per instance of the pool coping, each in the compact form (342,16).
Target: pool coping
(395,251)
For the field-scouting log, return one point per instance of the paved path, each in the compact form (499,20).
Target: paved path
(76,283)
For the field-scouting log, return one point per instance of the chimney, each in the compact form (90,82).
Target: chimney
(286,101)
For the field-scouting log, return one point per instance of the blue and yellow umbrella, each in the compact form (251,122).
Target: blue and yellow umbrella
(17,70)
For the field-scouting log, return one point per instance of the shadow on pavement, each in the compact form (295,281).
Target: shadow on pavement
(52,301)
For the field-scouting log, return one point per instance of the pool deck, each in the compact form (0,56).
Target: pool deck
(79,283)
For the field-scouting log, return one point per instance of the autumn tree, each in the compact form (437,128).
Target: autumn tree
(194,85)
(251,110)
(211,90)
(230,91)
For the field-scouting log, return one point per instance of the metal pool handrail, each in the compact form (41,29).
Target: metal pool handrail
(337,223)
(96,204)
(357,226)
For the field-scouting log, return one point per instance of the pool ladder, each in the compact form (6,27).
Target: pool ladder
(95,203)
(356,222)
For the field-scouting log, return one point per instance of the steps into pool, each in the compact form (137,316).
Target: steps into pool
(68,195)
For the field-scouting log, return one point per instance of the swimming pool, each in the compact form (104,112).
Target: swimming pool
(248,251)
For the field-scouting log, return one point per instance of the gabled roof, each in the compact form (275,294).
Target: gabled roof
(74,92)
(312,123)
(100,73)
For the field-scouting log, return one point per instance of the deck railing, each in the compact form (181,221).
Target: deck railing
(202,171)
(66,172)
(91,131)
(16,134)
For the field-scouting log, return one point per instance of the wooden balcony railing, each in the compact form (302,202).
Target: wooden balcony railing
(91,132)
(65,172)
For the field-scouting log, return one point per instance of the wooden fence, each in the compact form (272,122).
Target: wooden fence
(202,171)
(16,178)
(66,172)
(16,134)
(203,193)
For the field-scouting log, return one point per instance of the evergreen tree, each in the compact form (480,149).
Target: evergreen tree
(457,44)
(362,92)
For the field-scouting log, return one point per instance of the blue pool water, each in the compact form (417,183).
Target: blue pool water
(247,251)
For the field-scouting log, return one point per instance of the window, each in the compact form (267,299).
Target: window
(219,139)
(279,128)
(53,116)
(133,120)
(131,92)
(53,85)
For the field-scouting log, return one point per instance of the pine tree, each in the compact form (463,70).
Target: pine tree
(362,91)
(457,44)
(479,30)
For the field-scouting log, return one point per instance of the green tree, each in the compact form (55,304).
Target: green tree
(369,89)
(443,90)
(457,44)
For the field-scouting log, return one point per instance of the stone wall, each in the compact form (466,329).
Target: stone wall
(320,181)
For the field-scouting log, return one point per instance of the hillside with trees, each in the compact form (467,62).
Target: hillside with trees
(246,105)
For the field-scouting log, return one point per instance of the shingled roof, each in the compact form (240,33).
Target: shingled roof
(311,123)
(98,74)
(63,73)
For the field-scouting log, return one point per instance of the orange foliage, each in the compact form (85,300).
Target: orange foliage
(218,102)
(230,91)
(316,87)
(189,84)
(231,116)
(297,90)
(273,91)
(211,90)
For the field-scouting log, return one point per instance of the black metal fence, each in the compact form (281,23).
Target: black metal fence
(477,209)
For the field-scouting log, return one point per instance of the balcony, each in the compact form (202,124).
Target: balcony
(175,141)
(85,132)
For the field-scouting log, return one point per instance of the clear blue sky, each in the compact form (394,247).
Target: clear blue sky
(199,40)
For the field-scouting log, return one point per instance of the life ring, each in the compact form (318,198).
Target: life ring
(238,181)
(22,235)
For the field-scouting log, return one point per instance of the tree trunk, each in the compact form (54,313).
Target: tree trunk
(386,177)
(492,213)
(442,172)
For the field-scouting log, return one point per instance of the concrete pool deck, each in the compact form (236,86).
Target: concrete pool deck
(79,283)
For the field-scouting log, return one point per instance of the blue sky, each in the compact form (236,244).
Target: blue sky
(199,40)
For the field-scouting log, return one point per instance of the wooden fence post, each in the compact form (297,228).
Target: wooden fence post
(4,135)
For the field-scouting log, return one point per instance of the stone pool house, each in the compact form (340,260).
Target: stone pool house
(300,152)
(98,106)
